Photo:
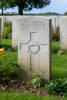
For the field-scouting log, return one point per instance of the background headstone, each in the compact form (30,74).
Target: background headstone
(2,23)
(12,20)
(0,28)
(15,32)
(63,32)
(53,23)
(34,47)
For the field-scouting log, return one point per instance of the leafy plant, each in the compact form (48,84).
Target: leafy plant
(58,86)
(7,30)
(55,47)
(36,82)
(54,50)
(54,36)
(8,69)
(57,31)
(65,51)
(60,52)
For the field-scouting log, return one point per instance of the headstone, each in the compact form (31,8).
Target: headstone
(2,23)
(63,33)
(53,23)
(0,28)
(15,32)
(12,20)
(34,47)
(58,20)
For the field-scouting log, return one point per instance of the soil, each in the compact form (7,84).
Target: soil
(16,86)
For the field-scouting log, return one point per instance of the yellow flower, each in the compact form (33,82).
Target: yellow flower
(2,50)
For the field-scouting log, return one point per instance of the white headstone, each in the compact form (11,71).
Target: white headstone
(0,28)
(53,23)
(63,33)
(58,20)
(34,47)
(2,23)
(12,20)
(15,32)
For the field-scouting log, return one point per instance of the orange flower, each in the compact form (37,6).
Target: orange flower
(2,50)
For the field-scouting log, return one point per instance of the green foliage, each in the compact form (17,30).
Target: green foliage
(55,47)
(3,3)
(60,52)
(54,50)
(6,43)
(58,86)
(65,13)
(54,36)
(7,30)
(58,66)
(27,5)
(58,32)
(8,68)
(26,96)
(36,82)
(8,62)
(65,51)
(49,13)
(58,63)
(7,48)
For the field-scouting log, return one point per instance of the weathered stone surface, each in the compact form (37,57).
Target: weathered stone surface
(53,23)
(63,32)
(34,47)
(14,34)
(12,20)
(15,31)
(2,23)
(0,28)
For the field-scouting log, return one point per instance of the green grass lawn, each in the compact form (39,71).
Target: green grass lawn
(6,42)
(58,69)
(23,96)
(59,66)
(58,63)
(10,56)
(55,44)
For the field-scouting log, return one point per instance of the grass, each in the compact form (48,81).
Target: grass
(59,66)
(23,96)
(6,42)
(58,69)
(10,56)
(55,44)
(58,63)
